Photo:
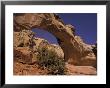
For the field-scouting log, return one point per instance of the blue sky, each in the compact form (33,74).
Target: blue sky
(84,23)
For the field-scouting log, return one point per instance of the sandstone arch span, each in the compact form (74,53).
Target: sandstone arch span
(72,45)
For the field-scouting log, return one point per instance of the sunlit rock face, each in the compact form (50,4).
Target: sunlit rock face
(26,47)
(76,52)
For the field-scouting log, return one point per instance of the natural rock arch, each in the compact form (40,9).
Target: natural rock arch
(39,33)
(73,49)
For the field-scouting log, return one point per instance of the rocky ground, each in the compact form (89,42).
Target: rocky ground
(26,69)
(34,69)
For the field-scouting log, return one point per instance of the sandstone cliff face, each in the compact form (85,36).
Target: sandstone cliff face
(76,52)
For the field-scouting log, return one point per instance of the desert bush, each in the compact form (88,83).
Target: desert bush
(49,59)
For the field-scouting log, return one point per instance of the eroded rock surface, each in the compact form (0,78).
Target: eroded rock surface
(26,47)
(80,70)
(76,52)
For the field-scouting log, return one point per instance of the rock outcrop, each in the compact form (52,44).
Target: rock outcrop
(23,55)
(26,47)
(76,52)
(80,70)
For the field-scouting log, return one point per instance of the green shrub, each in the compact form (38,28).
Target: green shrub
(49,59)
